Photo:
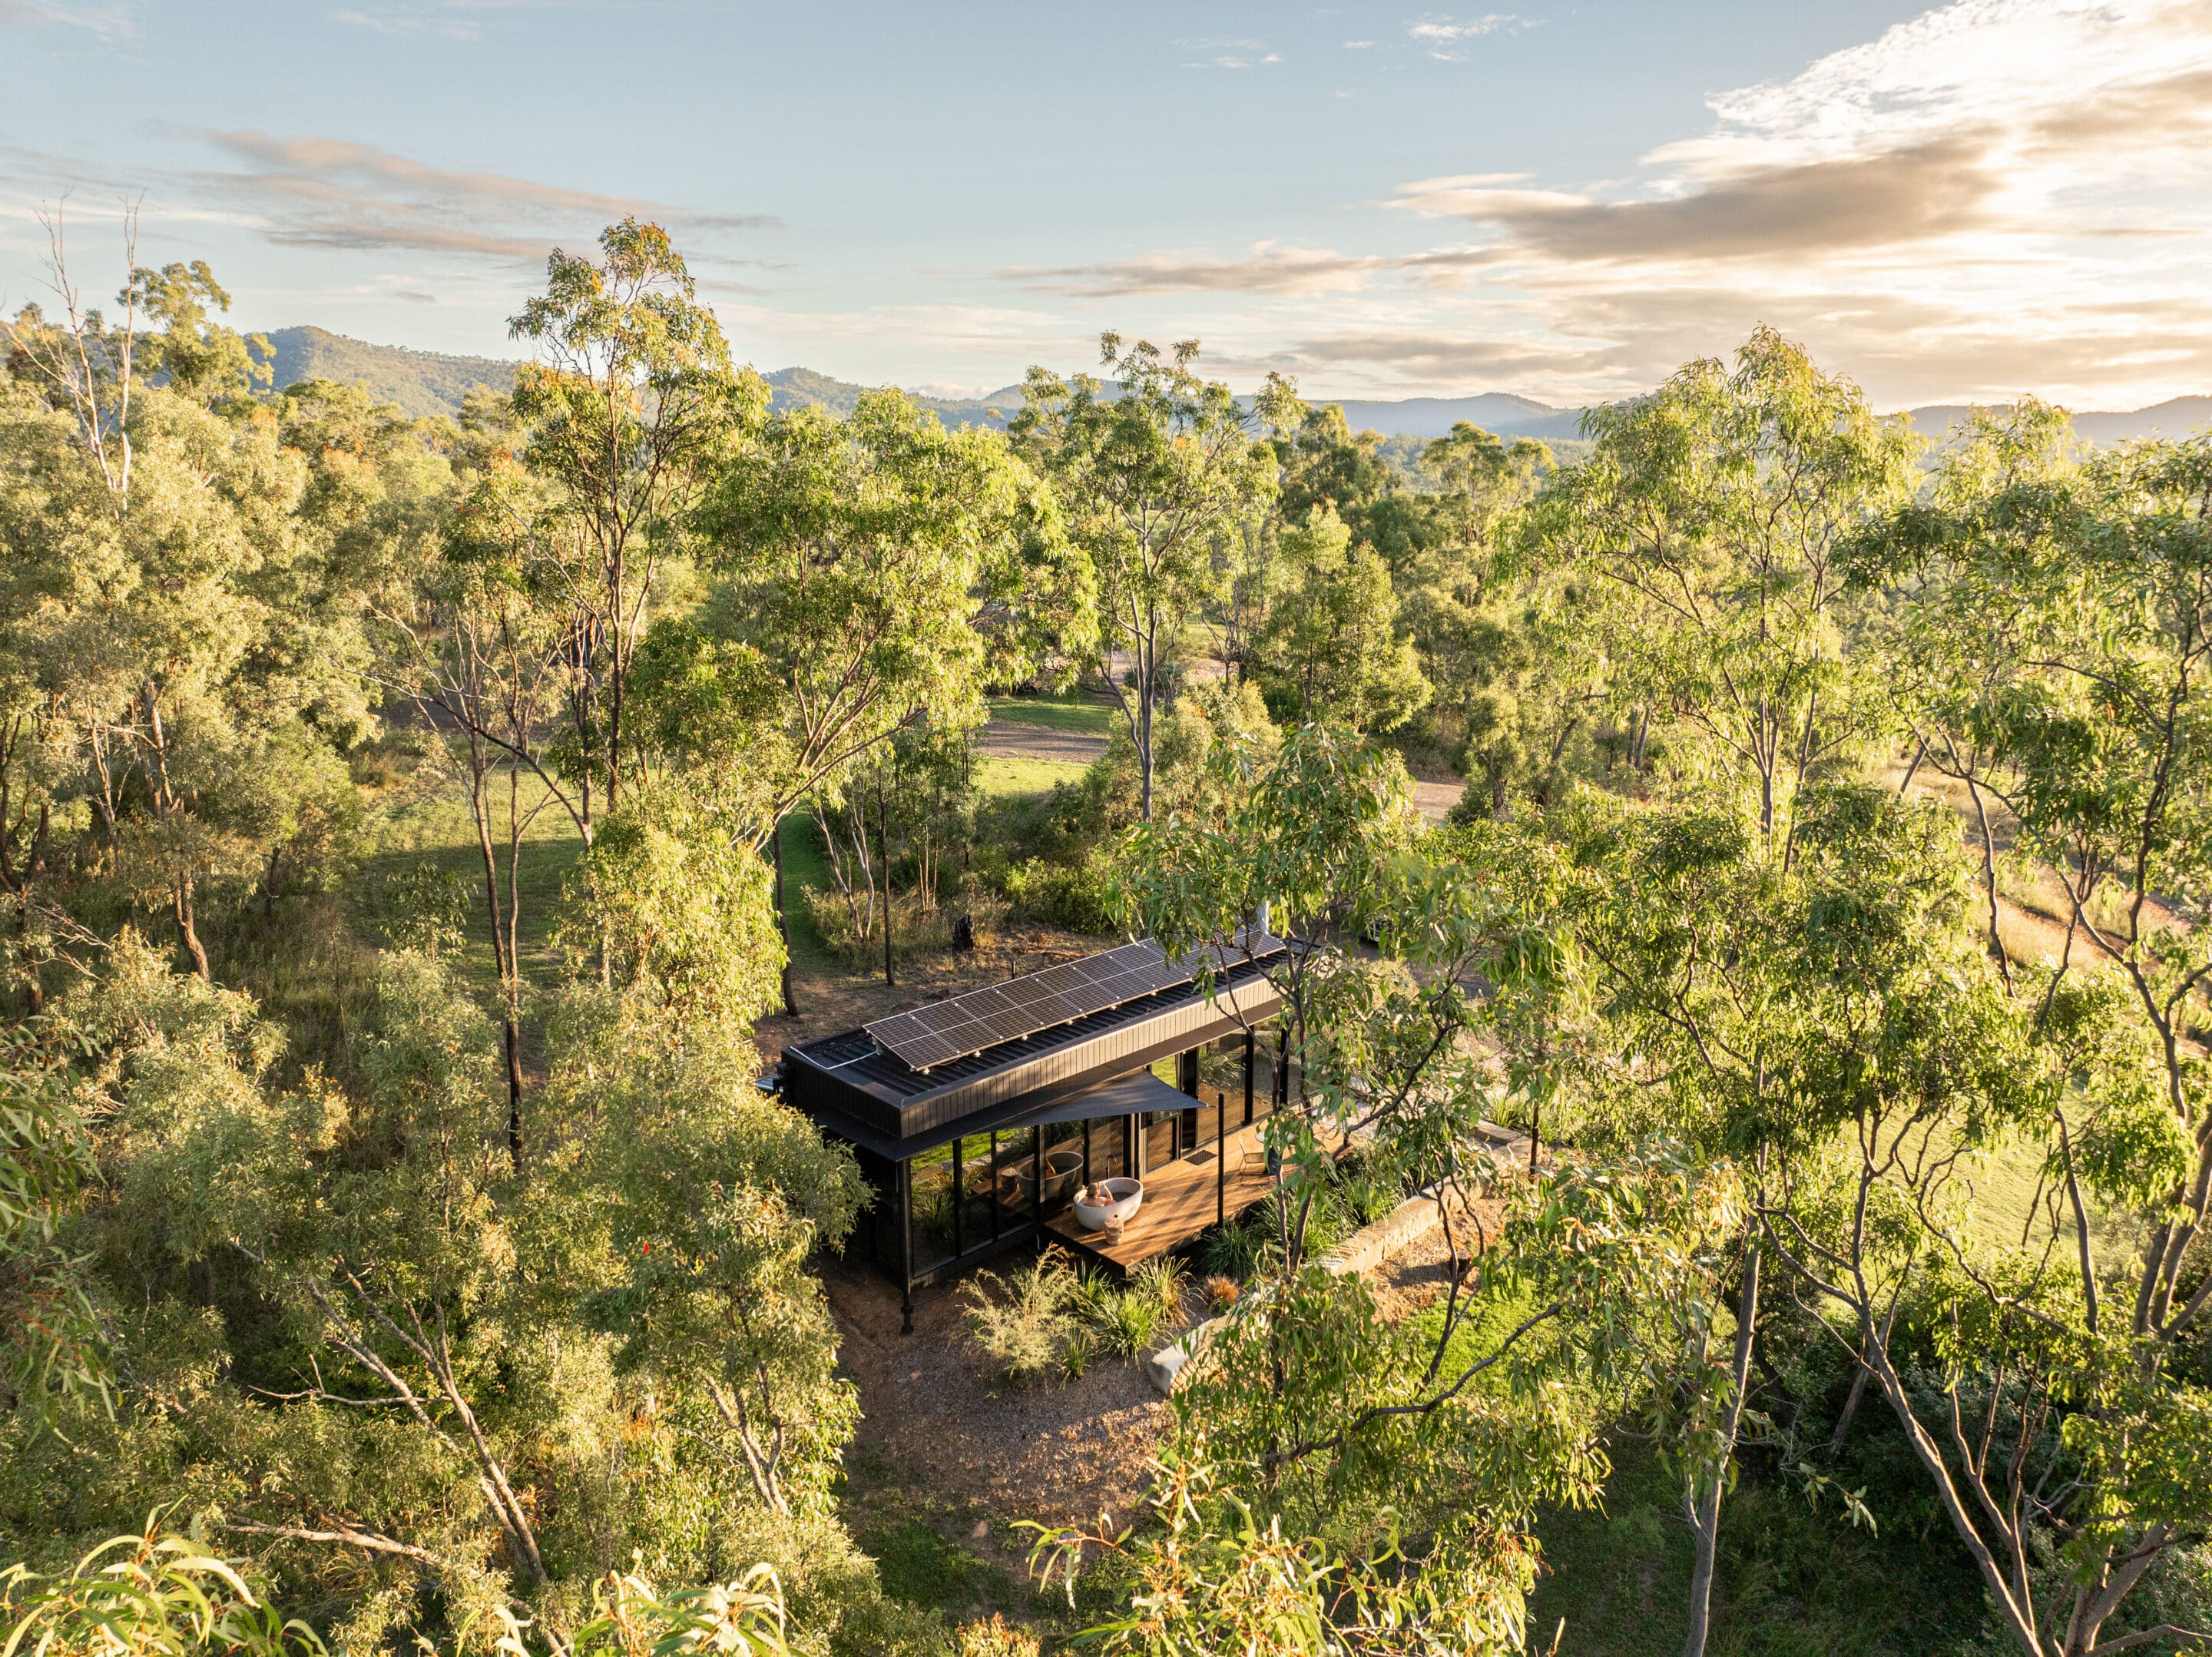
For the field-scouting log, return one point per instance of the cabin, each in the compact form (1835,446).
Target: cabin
(977,1120)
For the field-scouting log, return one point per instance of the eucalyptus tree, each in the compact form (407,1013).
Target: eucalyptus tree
(1330,647)
(1483,477)
(194,356)
(871,574)
(2076,590)
(1718,507)
(1387,1475)
(1152,471)
(629,414)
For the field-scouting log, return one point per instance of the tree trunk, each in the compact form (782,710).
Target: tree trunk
(783,922)
(187,934)
(513,1038)
(884,857)
(1706,1513)
(1989,884)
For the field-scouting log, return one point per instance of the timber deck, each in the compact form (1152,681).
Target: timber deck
(1182,1200)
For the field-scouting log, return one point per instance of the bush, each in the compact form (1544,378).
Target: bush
(1083,897)
(914,930)
(1161,1281)
(1023,1334)
(997,1638)
(1128,1323)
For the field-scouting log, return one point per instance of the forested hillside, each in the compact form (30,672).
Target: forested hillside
(421,384)
(426,383)
(416,831)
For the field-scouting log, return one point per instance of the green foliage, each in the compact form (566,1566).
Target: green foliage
(161,1595)
(1083,898)
(1149,477)
(1026,1325)
(423,907)
(49,1327)
(683,911)
(1330,647)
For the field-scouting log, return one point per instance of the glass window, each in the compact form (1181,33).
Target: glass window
(977,1226)
(1063,1164)
(1015,1187)
(1160,1137)
(930,1180)
(1110,1147)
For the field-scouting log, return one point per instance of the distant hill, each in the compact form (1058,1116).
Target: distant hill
(1500,413)
(805,388)
(423,383)
(431,383)
(2177,416)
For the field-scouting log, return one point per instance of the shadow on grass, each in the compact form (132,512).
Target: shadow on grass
(1789,1583)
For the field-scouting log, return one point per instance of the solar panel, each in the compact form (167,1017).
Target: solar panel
(996,1013)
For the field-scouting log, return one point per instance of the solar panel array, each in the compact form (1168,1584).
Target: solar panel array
(1021,1007)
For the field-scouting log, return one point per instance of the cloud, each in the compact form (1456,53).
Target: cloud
(1943,188)
(1995,196)
(1442,38)
(1268,269)
(413,297)
(1231,54)
(108,25)
(411,23)
(330,192)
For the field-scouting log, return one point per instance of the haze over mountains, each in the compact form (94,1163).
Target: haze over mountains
(430,383)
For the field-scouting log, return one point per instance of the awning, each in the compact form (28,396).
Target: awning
(1126,1096)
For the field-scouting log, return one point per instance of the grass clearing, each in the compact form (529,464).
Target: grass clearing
(438,826)
(1070,711)
(1001,777)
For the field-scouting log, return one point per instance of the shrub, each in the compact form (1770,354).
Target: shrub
(997,1638)
(1222,1292)
(1161,1281)
(1075,1356)
(1023,1333)
(1082,897)
(914,930)
(1129,1321)
(1233,1252)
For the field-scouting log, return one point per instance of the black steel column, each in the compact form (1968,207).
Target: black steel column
(1220,1156)
(1036,1175)
(906,1247)
(995,1217)
(959,1203)
(1251,1042)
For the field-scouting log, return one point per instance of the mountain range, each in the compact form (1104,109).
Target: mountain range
(429,383)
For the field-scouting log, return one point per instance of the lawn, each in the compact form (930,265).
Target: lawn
(999,777)
(1071,711)
(438,827)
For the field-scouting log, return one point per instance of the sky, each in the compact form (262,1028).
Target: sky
(1566,201)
